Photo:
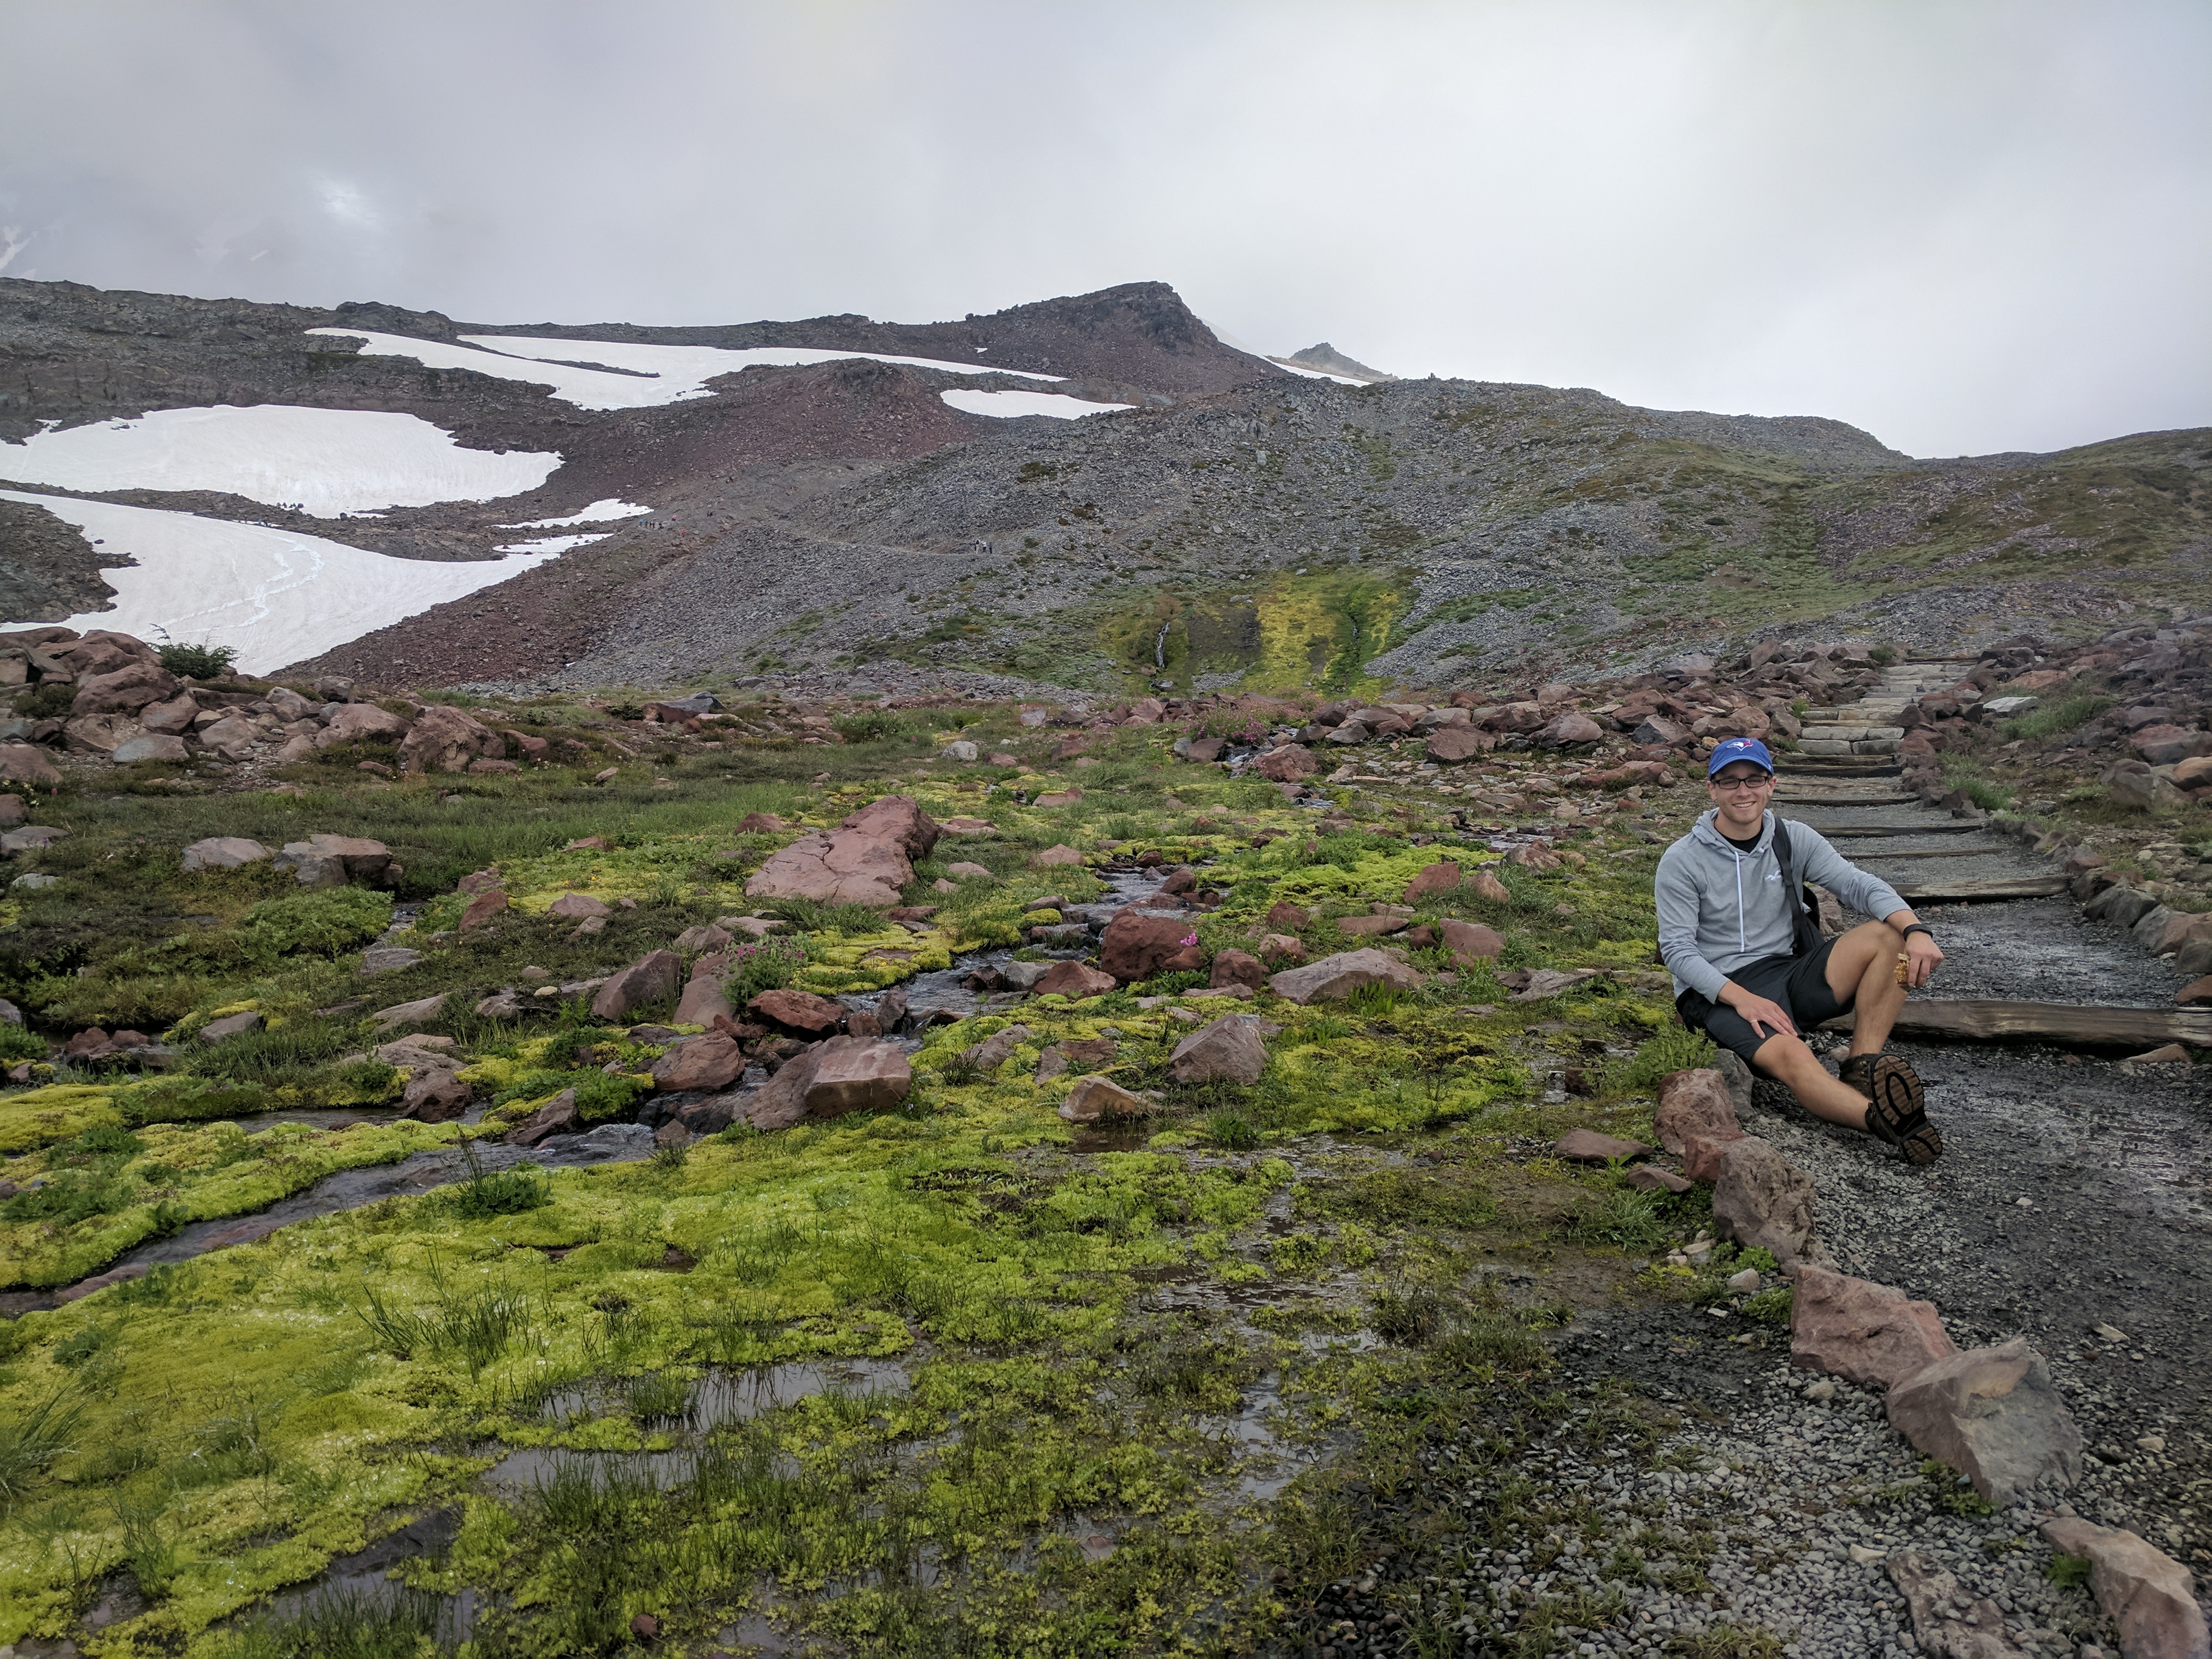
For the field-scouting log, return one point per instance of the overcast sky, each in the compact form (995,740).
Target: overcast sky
(1966,227)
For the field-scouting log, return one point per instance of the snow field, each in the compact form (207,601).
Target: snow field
(552,544)
(278,595)
(659,374)
(323,461)
(1012,406)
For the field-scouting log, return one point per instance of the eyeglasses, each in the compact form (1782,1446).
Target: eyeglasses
(1730,786)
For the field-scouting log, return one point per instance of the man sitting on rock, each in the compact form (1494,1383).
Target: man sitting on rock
(1750,966)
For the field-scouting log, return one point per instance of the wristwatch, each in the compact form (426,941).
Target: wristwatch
(1920,927)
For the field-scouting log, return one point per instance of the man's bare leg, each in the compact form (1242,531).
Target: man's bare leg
(1789,1062)
(1862,974)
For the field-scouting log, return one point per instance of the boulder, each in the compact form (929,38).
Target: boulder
(1136,946)
(712,1061)
(101,734)
(2198,994)
(1054,856)
(1024,975)
(1287,917)
(2143,1590)
(1229,1050)
(649,980)
(420,1012)
(125,690)
(1450,745)
(1488,886)
(898,819)
(435,1095)
(150,747)
(703,1000)
(1695,1113)
(445,739)
(388,959)
(2162,931)
(1588,1146)
(991,1053)
(2132,784)
(1438,878)
(1237,968)
(1332,978)
(1471,939)
(579,905)
(2164,745)
(1992,1414)
(1095,1097)
(798,1010)
(334,860)
(230,1025)
(703,939)
(1864,1332)
(557,1116)
(1074,981)
(844,1074)
(27,764)
(1287,763)
(960,750)
(866,860)
(1737,1075)
(482,908)
(1372,926)
(224,852)
(1760,1199)
(360,722)
(1278,948)
(2122,906)
(234,737)
(1656,731)
(1563,731)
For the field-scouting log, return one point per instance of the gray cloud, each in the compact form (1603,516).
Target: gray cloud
(1966,228)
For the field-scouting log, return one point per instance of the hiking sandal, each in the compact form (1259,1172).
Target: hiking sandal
(1897,1112)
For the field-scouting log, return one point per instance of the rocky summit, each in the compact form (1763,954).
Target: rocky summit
(1019,1016)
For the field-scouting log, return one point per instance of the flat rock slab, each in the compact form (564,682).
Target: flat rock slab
(1992,1414)
(1332,978)
(1588,1146)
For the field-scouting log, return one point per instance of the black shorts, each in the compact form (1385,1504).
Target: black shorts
(1800,984)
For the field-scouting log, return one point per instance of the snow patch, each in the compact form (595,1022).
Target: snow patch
(1012,406)
(278,595)
(551,544)
(653,374)
(596,513)
(327,462)
(1314,374)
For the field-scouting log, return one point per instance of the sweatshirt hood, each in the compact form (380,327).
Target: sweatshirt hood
(1707,831)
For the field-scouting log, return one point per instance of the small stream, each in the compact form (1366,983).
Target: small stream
(945,989)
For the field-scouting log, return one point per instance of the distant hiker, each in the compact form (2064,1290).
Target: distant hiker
(1750,966)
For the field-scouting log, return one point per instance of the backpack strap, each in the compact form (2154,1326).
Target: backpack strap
(1805,917)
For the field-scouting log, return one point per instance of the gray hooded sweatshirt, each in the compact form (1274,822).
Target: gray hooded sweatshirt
(1720,910)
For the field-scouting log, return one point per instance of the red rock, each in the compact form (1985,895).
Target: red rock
(557,1116)
(436,1095)
(844,1074)
(761,824)
(1287,763)
(798,1010)
(1567,729)
(1992,1414)
(1229,1050)
(578,904)
(1287,917)
(1282,947)
(1237,968)
(1075,980)
(2164,745)
(1451,745)
(1650,1178)
(1471,939)
(482,908)
(898,819)
(1137,947)
(125,690)
(531,749)
(1094,1098)
(479,881)
(1332,978)
(2198,994)
(20,762)
(1438,878)
(712,1061)
(361,722)
(589,844)
(444,739)
(704,1001)
(1862,1331)
(2143,1590)
(1488,886)
(86,1041)
(649,980)
(1695,1112)
(1588,1146)
(1760,1199)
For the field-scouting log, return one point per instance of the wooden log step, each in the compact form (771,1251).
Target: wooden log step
(1781,800)
(1939,891)
(2076,1025)
(1935,853)
(1864,832)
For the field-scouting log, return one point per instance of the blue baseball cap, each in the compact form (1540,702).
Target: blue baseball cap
(1736,748)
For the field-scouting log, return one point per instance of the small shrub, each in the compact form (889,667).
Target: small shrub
(198,662)
(1770,1306)
(187,1100)
(17,1044)
(318,924)
(48,703)
(1624,1219)
(874,726)
(488,1193)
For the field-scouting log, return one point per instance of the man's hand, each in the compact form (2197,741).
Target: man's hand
(1764,1017)
(1923,955)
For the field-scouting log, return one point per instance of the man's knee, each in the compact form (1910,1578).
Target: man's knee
(1780,1056)
(1878,936)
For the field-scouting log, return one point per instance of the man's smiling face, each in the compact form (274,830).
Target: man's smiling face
(1739,790)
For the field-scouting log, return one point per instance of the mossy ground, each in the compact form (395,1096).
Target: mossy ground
(1110,1352)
